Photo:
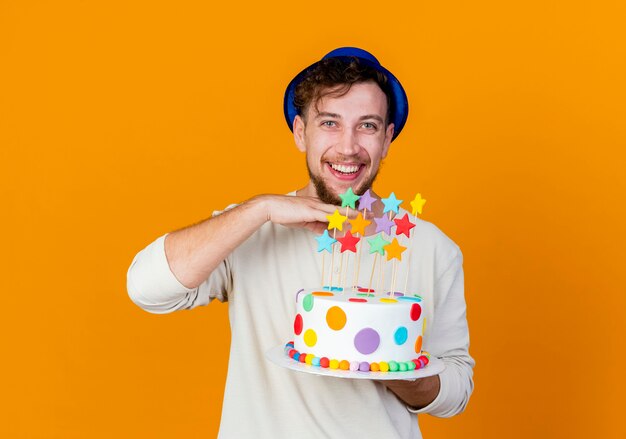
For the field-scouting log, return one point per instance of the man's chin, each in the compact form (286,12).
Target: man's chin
(330,195)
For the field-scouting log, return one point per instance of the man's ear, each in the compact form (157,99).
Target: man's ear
(298,133)
(388,137)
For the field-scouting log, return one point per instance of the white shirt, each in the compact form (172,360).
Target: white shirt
(259,280)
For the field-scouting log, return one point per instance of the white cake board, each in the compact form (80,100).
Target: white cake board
(277,356)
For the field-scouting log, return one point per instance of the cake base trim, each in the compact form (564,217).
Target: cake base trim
(277,356)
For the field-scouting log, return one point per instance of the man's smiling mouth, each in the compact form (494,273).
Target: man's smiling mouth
(345,169)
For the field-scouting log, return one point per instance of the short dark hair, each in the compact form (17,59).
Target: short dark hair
(334,77)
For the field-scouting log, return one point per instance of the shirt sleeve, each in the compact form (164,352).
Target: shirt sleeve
(448,339)
(153,287)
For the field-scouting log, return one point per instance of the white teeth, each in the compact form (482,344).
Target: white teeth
(345,169)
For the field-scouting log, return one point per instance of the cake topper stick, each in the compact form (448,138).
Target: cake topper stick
(377,245)
(381,277)
(394,251)
(348,200)
(348,243)
(324,244)
(393,278)
(408,269)
(357,262)
(366,203)
(339,281)
(323,265)
(335,221)
(369,286)
(332,264)
(416,208)
(403,227)
(358,228)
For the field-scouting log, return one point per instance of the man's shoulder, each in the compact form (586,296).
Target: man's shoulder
(429,236)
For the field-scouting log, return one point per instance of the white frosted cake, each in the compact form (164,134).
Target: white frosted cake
(357,330)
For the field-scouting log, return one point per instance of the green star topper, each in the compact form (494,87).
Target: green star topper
(349,199)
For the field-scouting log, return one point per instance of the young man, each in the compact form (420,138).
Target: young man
(344,112)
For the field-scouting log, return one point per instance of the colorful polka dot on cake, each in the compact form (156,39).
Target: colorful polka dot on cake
(336,318)
(401,335)
(418,344)
(367,341)
(307,303)
(297,325)
(416,311)
(310,337)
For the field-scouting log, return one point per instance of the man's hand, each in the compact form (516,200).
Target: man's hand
(307,212)
(417,394)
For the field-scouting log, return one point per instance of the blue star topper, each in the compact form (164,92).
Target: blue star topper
(391,203)
(325,242)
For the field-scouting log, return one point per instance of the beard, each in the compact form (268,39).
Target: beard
(326,194)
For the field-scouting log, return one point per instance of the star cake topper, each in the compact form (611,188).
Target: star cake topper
(394,250)
(349,199)
(391,203)
(325,242)
(377,244)
(383,224)
(336,220)
(366,201)
(403,225)
(417,205)
(359,224)
(348,242)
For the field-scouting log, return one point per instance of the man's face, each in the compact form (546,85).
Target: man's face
(345,138)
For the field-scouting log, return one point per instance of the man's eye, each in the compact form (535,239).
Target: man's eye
(328,123)
(369,125)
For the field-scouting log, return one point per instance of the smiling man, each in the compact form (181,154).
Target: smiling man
(344,111)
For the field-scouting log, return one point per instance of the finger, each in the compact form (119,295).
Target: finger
(316,227)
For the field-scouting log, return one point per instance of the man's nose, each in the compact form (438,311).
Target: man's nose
(348,143)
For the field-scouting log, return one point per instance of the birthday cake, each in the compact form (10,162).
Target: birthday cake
(357,330)
(360,329)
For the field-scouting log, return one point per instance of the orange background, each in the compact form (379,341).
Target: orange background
(120,121)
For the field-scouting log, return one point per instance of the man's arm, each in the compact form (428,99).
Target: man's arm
(194,252)
(448,393)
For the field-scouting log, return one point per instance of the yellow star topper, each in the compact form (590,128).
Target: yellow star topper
(336,220)
(417,204)
(394,250)
(359,224)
